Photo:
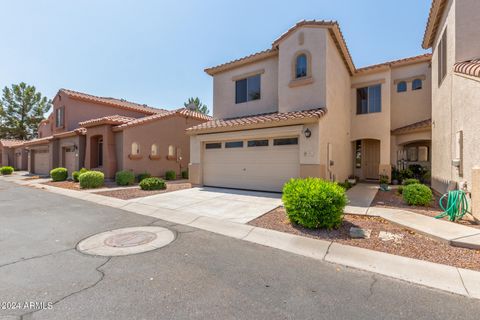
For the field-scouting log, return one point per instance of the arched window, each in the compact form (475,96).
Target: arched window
(417,84)
(135,148)
(401,86)
(301,66)
(154,150)
(171,151)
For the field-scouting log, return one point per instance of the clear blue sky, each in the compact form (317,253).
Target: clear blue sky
(154,52)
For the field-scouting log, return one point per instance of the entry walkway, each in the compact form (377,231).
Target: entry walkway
(362,195)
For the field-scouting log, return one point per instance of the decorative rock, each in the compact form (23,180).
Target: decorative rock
(359,233)
(388,236)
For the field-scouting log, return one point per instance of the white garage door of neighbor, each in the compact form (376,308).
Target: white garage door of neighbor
(69,154)
(40,164)
(264,168)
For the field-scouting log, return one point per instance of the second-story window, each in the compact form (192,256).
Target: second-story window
(442,58)
(401,86)
(417,84)
(59,117)
(247,89)
(369,99)
(301,66)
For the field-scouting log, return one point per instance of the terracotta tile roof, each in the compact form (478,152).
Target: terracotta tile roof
(113,120)
(9,143)
(38,141)
(332,26)
(434,17)
(76,132)
(396,63)
(469,68)
(267,118)
(119,103)
(424,124)
(179,112)
(258,56)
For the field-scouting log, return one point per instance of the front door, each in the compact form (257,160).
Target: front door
(371,159)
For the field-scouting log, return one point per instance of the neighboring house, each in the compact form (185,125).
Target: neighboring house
(13,153)
(453,33)
(82,132)
(303,109)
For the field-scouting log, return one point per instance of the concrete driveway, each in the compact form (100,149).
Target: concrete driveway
(224,204)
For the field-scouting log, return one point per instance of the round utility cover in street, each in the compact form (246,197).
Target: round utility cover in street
(126,241)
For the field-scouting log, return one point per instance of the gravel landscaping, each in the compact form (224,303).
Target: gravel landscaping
(391,199)
(404,242)
(131,193)
(72,185)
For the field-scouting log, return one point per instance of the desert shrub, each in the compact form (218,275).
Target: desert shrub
(417,194)
(6,170)
(345,185)
(170,175)
(152,184)
(91,179)
(185,174)
(59,174)
(76,174)
(400,189)
(405,174)
(142,176)
(124,178)
(407,182)
(314,203)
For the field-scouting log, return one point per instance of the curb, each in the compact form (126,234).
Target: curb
(446,278)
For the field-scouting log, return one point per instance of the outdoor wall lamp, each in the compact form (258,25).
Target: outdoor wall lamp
(307,133)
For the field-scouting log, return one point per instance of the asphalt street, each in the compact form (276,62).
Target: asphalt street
(200,275)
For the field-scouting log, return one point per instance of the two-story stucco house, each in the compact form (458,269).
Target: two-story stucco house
(453,33)
(110,135)
(302,108)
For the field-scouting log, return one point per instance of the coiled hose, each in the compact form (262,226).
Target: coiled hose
(457,205)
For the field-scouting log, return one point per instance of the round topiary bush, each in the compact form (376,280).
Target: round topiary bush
(76,174)
(6,170)
(417,194)
(152,184)
(124,178)
(314,203)
(170,175)
(142,176)
(407,182)
(59,174)
(91,179)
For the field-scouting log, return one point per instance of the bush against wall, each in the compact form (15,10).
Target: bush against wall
(59,174)
(6,170)
(124,178)
(170,175)
(76,174)
(91,179)
(314,203)
(417,194)
(142,176)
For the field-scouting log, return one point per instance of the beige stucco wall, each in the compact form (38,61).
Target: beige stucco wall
(467,29)
(413,105)
(309,96)
(21,158)
(442,133)
(170,131)
(335,125)
(224,105)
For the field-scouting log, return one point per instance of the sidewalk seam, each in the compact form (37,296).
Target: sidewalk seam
(463,283)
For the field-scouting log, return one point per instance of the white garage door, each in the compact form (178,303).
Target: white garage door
(41,162)
(69,159)
(255,164)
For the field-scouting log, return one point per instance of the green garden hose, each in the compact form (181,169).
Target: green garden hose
(457,205)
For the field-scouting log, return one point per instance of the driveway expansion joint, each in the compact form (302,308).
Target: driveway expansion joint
(463,283)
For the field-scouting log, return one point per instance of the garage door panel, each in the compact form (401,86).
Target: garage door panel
(69,160)
(41,162)
(257,168)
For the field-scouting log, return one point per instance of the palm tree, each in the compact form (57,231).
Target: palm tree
(196,105)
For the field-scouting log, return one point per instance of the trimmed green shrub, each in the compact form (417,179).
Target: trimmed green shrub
(417,194)
(91,179)
(407,182)
(185,174)
(59,174)
(142,176)
(6,170)
(76,174)
(314,203)
(170,175)
(152,184)
(400,189)
(124,178)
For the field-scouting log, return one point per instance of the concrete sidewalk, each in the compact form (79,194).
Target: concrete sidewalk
(447,278)
(360,196)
